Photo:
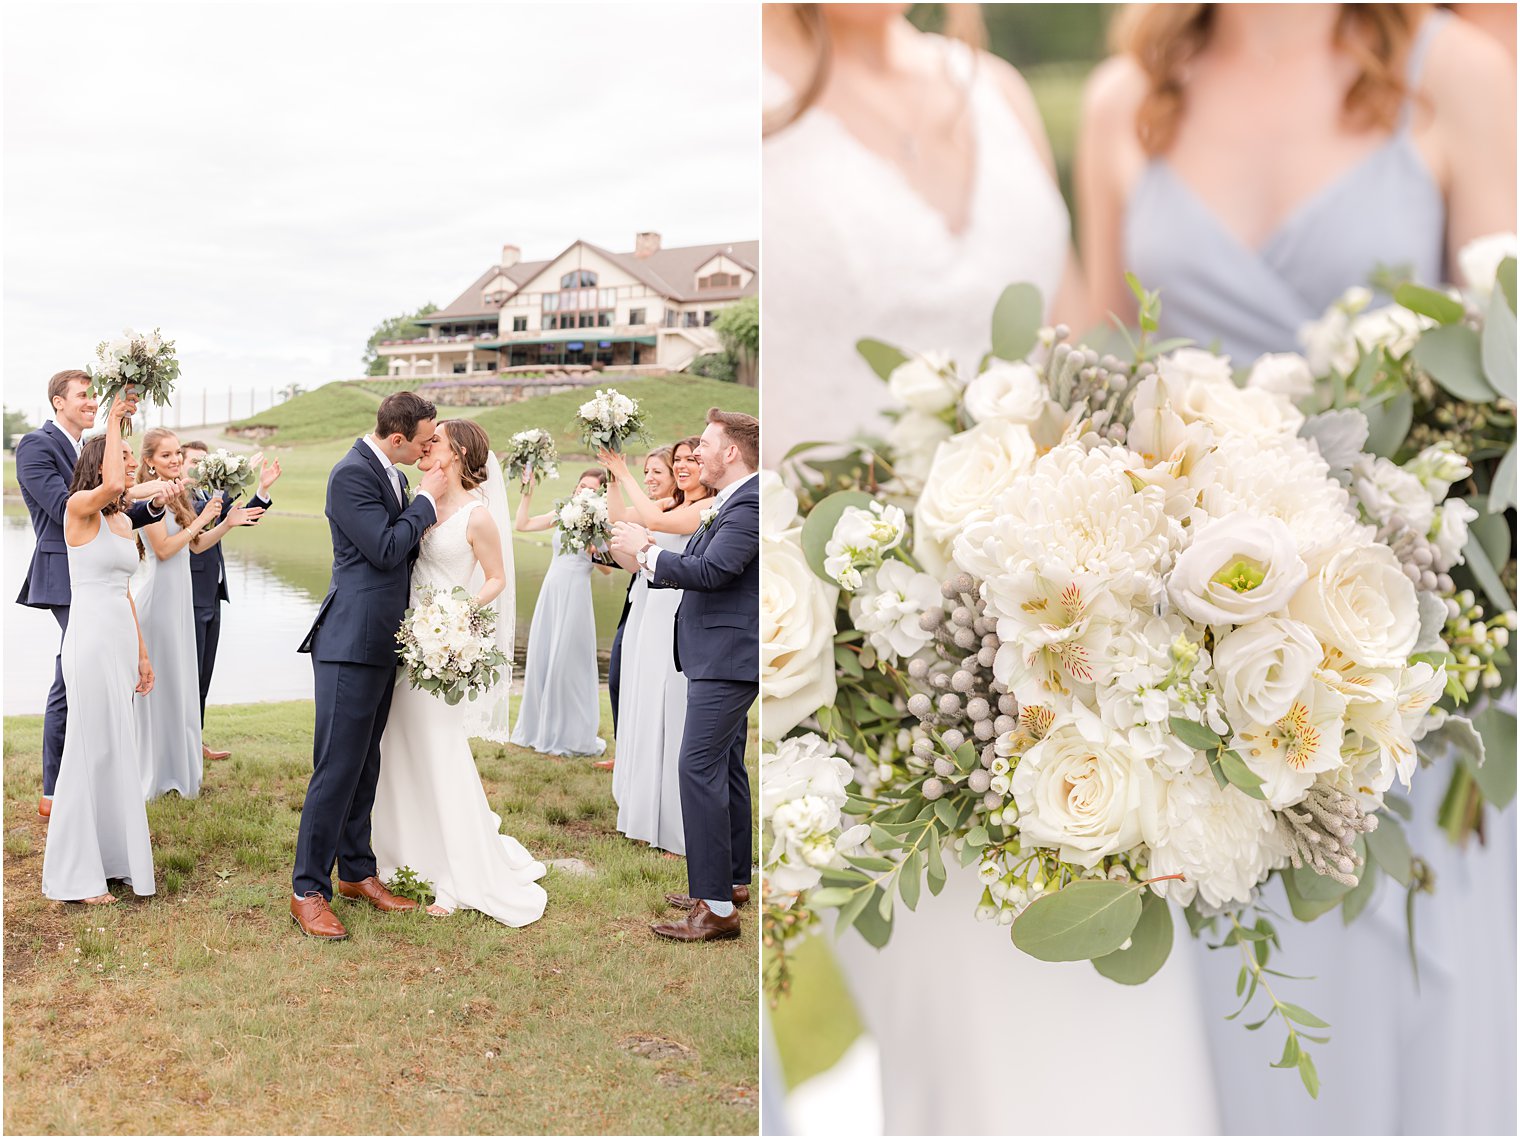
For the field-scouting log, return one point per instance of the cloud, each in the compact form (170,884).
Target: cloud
(267,181)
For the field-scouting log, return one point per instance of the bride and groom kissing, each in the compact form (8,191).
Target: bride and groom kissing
(429,809)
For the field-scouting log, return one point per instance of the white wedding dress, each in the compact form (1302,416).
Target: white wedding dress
(431,812)
(974,1036)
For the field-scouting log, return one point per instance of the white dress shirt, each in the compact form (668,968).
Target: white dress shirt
(723,496)
(394,475)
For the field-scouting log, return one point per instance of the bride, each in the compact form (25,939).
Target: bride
(907,183)
(431,812)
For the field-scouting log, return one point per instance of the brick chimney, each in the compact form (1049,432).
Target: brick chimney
(646,243)
(510,255)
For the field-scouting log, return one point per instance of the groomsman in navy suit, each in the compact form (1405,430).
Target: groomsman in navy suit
(717,647)
(45,461)
(208,579)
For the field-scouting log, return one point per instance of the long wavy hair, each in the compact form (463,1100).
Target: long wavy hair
(87,476)
(690,443)
(472,446)
(962,22)
(1164,38)
(180,504)
(666,455)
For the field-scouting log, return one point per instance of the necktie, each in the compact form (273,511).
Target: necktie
(396,484)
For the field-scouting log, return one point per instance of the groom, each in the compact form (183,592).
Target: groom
(717,648)
(375,532)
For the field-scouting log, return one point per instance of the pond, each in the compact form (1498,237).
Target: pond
(277,574)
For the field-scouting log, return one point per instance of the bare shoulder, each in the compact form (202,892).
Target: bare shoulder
(1112,96)
(1466,72)
(481,525)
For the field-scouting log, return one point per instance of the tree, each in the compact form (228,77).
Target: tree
(403,327)
(738,326)
(15,426)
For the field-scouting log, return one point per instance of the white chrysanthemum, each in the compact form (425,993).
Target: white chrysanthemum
(1222,841)
(888,609)
(1077,513)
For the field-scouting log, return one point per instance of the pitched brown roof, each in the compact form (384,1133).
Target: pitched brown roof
(670,272)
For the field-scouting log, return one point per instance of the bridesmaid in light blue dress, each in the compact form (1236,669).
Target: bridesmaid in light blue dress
(561,705)
(99,826)
(169,749)
(1284,236)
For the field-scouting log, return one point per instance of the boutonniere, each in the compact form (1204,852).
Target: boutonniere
(707,518)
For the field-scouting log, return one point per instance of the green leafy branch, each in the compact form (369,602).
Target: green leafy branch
(1256,943)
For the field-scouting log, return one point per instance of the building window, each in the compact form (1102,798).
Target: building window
(578,279)
(459,369)
(635,316)
(519,324)
(693,319)
(708,316)
(482,365)
(718,281)
(672,318)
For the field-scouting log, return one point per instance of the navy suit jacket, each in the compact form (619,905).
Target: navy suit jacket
(208,574)
(374,542)
(45,462)
(718,623)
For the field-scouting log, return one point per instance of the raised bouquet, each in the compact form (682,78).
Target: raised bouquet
(609,419)
(145,361)
(1434,374)
(583,521)
(1117,635)
(222,471)
(532,450)
(448,645)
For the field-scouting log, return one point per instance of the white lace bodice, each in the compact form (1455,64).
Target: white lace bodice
(445,558)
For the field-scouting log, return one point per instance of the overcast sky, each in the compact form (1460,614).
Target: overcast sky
(267,181)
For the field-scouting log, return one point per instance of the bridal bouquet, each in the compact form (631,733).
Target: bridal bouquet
(1434,374)
(609,419)
(145,361)
(532,450)
(583,521)
(448,645)
(223,471)
(1144,648)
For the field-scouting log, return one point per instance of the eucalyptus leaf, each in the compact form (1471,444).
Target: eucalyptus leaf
(1501,495)
(1505,279)
(1193,734)
(935,860)
(1290,1053)
(883,358)
(1389,845)
(977,836)
(1428,302)
(829,896)
(1453,356)
(1356,901)
(1310,895)
(869,862)
(1496,776)
(1016,321)
(819,527)
(1307,1073)
(1081,921)
(1149,947)
(944,810)
(1493,535)
(1388,424)
(1499,346)
(909,881)
(1236,771)
(1483,569)
(1303,1016)
(873,925)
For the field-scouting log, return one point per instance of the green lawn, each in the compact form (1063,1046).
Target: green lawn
(203,1010)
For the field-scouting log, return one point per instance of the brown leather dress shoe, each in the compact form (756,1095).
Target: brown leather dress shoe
(603,764)
(44,809)
(684,901)
(209,754)
(316,919)
(701,924)
(373,891)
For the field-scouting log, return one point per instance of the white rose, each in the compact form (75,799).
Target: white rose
(970,472)
(778,505)
(1263,666)
(1285,374)
(1201,388)
(925,383)
(1479,262)
(1361,602)
(1385,489)
(796,637)
(1238,568)
(888,611)
(1082,791)
(1449,532)
(1006,391)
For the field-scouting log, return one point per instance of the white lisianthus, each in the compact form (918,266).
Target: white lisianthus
(1284,374)
(1361,602)
(1392,328)
(925,383)
(796,637)
(887,611)
(1287,753)
(1328,342)
(1006,390)
(1448,533)
(1082,791)
(1263,666)
(1223,842)
(1479,262)
(1188,368)
(914,438)
(969,472)
(1201,388)
(1237,569)
(1386,490)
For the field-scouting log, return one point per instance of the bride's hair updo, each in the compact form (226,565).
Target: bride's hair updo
(472,446)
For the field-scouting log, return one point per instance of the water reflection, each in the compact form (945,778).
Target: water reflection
(277,573)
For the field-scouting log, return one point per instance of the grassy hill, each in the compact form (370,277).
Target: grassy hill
(675,405)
